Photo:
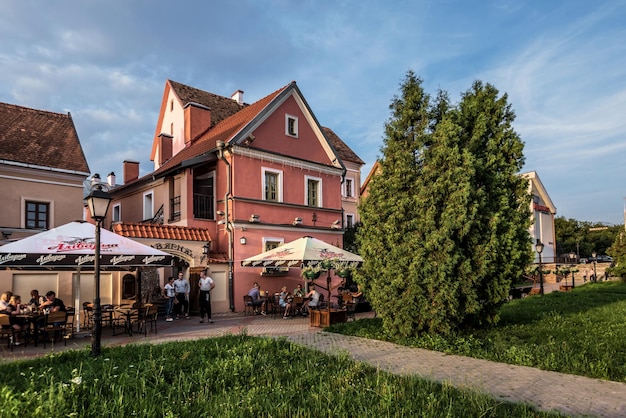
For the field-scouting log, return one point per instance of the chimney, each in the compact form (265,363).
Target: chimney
(238,96)
(111,179)
(131,171)
(197,120)
(165,148)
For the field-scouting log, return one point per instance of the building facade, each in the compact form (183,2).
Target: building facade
(248,176)
(42,171)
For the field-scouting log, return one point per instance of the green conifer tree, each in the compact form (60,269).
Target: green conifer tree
(445,225)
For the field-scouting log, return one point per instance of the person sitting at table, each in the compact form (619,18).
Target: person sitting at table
(314,297)
(35,299)
(4,300)
(255,294)
(284,301)
(298,291)
(13,309)
(53,303)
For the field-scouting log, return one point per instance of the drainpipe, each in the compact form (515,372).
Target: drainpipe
(228,225)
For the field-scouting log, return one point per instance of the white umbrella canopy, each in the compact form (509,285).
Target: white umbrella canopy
(73,245)
(305,251)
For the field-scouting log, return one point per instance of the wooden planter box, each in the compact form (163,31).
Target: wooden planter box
(321,318)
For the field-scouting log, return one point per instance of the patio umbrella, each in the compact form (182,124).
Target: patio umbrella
(72,247)
(304,252)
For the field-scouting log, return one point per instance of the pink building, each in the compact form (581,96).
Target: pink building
(232,180)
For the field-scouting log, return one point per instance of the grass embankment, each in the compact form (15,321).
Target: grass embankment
(580,332)
(231,376)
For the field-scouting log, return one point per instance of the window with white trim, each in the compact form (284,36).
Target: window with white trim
(349,221)
(148,206)
(349,191)
(271,243)
(313,187)
(116,215)
(272,185)
(291,125)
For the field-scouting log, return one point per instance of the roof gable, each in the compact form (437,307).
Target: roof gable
(223,131)
(40,138)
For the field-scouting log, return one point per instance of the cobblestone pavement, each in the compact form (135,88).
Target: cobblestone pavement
(571,395)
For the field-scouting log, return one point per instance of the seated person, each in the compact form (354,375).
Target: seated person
(4,300)
(285,300)
(35,299)
(13,309)
(255,294)
(53,303)
(314,297)
(298,291)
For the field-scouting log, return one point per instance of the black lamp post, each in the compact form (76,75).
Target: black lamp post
(539,249)
(98,202)
(594,255)
(573,256)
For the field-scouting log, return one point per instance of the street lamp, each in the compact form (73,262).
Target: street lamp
(594,255)
(573,256)
(539,249)
(98,202)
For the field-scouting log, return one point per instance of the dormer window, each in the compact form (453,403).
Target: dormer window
(291,126)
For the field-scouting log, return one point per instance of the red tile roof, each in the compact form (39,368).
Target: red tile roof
(223,131)
(40,138)
(159,231)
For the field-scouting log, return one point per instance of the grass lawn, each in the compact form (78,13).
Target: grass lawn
(580,332)
(231,376)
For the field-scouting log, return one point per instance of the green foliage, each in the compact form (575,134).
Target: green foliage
(579,332)
(449,212)
(231,376)
(574,236)
(618,252)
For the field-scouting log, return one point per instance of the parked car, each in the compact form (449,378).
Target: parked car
(583,261)
(604,259)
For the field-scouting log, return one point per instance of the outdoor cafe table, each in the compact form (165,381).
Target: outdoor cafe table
(127,314)
(33,319)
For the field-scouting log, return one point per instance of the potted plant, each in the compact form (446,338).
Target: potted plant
(311,272)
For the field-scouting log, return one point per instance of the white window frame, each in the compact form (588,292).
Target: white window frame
(148,200)
(281,241)
(279,185)
(116,213)
(351,216)
(319,191)
(349,189)
(288,119)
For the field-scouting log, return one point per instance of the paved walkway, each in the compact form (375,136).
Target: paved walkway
(572,395)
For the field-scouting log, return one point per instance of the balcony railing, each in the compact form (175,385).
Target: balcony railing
(203,206)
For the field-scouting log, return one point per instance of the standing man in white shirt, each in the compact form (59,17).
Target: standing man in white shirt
(182,288)
(206,284)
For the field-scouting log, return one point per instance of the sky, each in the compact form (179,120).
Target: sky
(562,64)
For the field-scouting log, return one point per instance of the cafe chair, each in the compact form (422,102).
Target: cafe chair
(11,334)
(55,327)
(147,317)
(87,315)
(248,305)
(296,306)
(349,305)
